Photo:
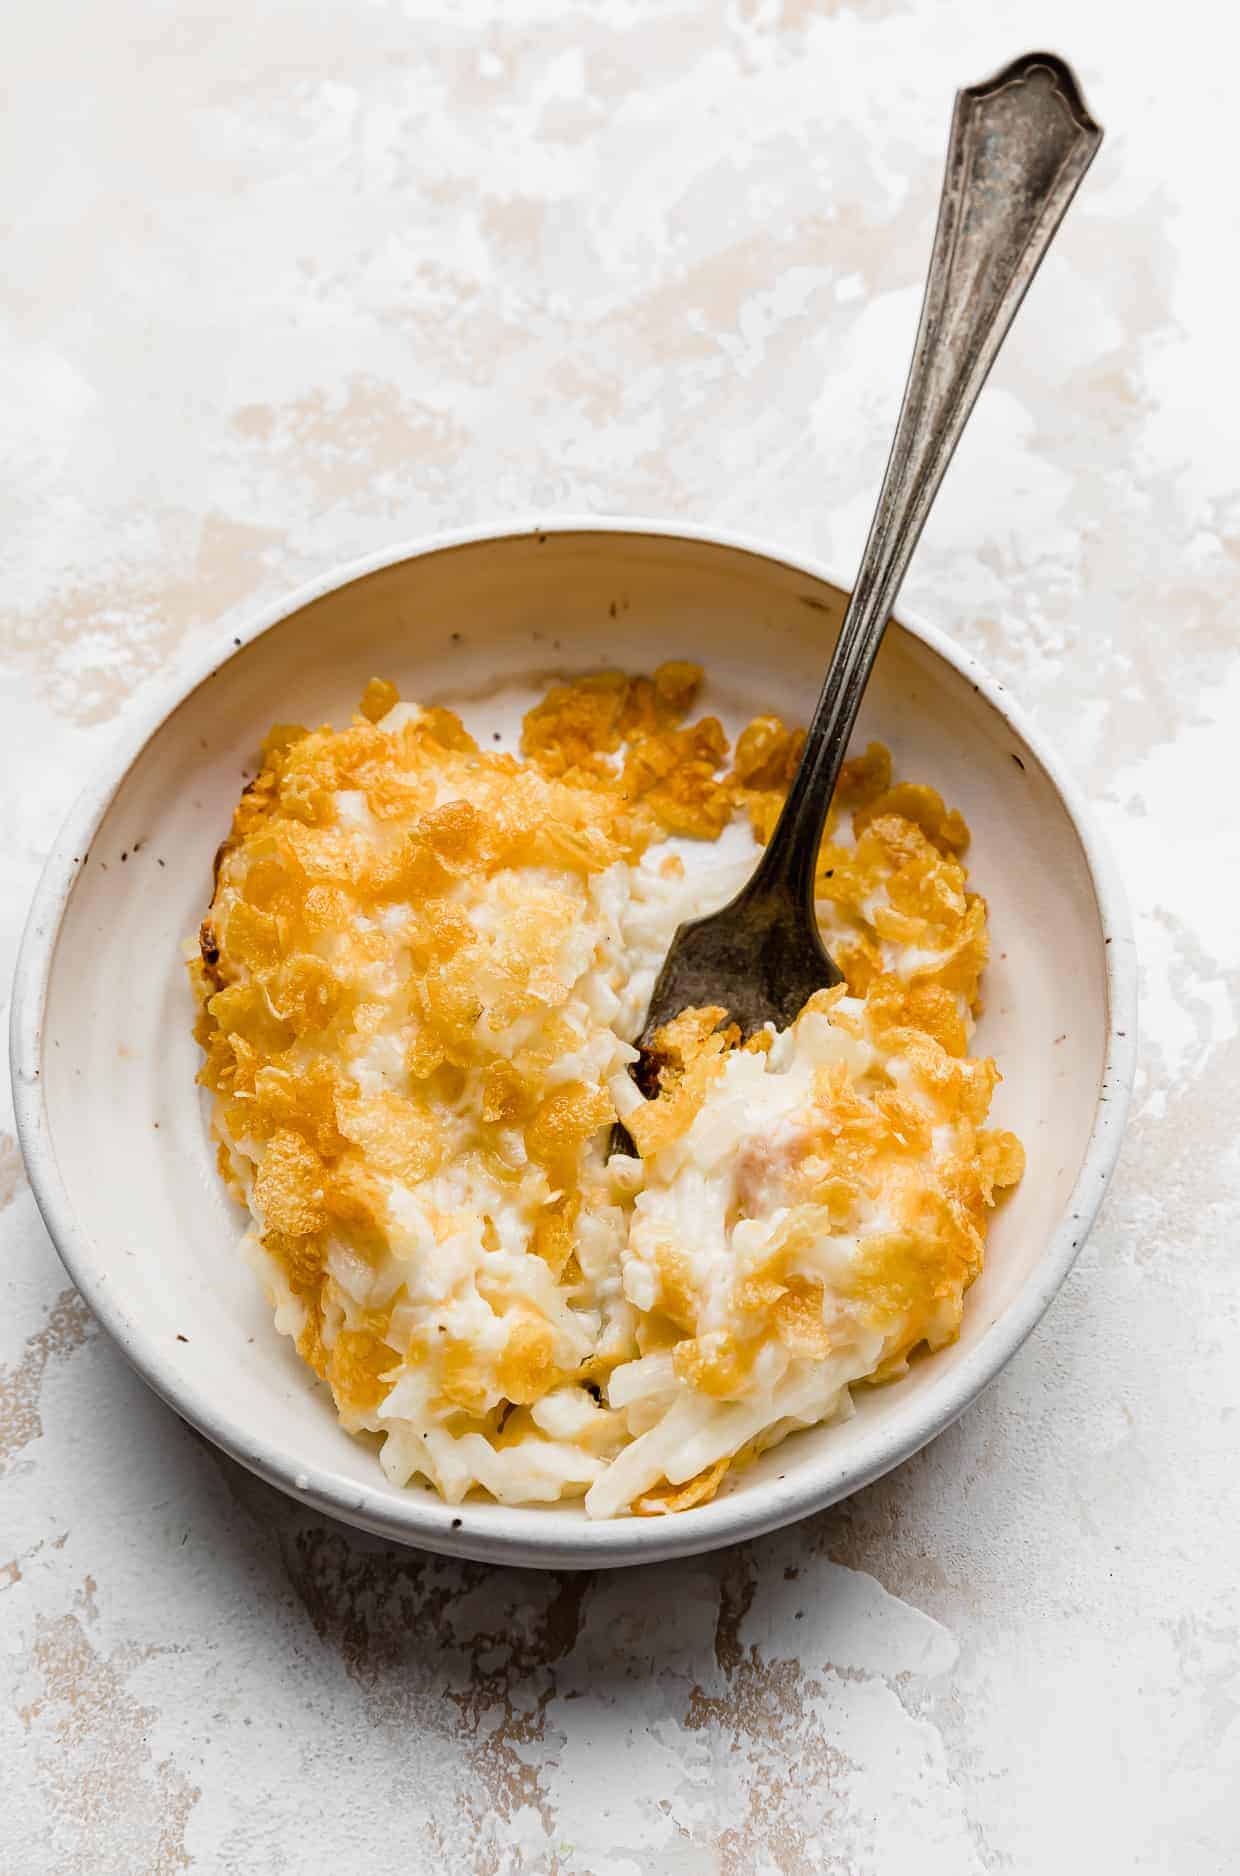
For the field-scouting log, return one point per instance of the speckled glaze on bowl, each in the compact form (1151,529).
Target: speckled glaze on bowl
(113,1130)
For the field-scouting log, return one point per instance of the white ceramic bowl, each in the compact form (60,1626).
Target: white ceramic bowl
(112,1126)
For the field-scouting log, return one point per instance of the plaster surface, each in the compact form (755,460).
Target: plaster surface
(285,283)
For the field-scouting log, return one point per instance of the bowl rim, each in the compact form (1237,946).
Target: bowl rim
(528,1535)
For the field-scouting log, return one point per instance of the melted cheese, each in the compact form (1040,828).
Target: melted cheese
(418,981)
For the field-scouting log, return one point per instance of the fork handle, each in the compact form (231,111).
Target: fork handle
(1020,144)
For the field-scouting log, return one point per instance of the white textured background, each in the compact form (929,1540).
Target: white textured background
(284,282)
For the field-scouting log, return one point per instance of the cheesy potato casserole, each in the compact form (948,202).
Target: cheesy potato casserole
(418,984)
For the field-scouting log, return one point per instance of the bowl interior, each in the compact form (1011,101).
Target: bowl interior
(156,1236)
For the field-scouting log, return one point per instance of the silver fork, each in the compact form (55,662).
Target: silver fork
(1020,144)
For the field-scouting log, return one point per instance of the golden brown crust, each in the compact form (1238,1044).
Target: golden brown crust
(345,918)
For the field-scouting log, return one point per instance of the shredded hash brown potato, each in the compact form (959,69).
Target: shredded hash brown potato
(418,982)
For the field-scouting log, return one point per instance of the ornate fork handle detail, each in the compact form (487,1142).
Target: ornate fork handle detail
(1020,144)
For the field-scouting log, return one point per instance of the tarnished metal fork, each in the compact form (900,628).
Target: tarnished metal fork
(1020,145)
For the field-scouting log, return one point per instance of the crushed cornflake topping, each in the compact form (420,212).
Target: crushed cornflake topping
(418,983)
